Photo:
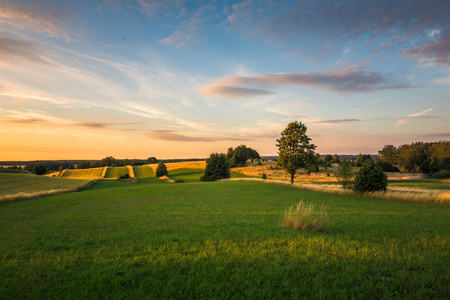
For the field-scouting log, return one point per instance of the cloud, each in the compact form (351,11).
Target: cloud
(436,52)
(421,113)
(282,21)
(442,81)
(345,79)
(338,121)
(170,135)
(229,91)
(39,18)
(98,125)
(20,50)
(435,135)
(25,121)
(402,122)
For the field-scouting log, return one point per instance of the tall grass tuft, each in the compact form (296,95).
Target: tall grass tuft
(304,216)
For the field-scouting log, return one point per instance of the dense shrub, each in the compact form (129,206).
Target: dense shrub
(217,167)
(39,169)
(125,176)
(442,174)
(387,166)
(161,170)
(370,178)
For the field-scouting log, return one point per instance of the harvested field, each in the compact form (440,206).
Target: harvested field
(94,173)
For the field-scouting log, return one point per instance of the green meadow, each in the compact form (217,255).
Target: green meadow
(218,240)
(13,183)
(143,172)
(116,172)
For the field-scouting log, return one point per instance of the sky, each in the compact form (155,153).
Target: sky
(183,79)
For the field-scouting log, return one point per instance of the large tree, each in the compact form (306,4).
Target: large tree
(294,149)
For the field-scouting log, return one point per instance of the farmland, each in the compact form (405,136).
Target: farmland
(143,172)
(222,239)
(116,172)
(21,186)
(93,173)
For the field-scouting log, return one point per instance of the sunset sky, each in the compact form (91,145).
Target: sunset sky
(182,79)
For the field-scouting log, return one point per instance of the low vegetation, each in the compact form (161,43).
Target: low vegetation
(25,186)
(217,167)
(219,240)
(161,170)
(305,216)
(370,178)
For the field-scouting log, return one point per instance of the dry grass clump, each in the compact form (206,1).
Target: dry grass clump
(305,216)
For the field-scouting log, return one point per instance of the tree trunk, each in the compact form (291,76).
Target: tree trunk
(292,177)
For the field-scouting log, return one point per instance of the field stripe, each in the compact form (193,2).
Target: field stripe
(131,171)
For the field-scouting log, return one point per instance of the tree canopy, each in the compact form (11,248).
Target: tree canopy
(294,149)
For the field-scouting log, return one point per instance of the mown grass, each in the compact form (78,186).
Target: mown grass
(15,183)
(219,240)
(143,172)
(116,172)
(93,173)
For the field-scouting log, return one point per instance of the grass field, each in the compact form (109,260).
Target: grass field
(116,172)
(426,184)
(93,173)
(143,172)
(16,183)
(219,240)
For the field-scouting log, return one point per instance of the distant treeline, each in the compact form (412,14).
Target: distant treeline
(419,156)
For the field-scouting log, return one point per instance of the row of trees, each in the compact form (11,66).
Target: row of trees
(419,156)
(238,156)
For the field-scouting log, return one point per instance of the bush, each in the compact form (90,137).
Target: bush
(125,176)
(370,178)
(217,167)
(161,170)
(387,166)
(304,216)
(39,169)
(442,174)
(264,176)
(344,174)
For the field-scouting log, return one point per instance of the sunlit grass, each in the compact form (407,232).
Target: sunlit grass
(305,216)
(219,240)
(116,172)
(93,173)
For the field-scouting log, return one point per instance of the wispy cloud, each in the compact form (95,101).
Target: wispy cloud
(20,50)
(230,91)
(170,135)
(445,134)
(338,121)
(436,52)
(421,113)
(345,79)
(47,21)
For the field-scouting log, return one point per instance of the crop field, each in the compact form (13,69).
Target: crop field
(143,172)
(93,173)
(219,240)
(201,165)
(116,172)
(14,185)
